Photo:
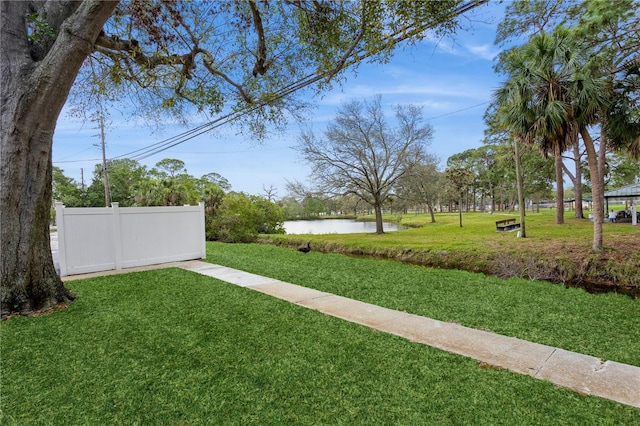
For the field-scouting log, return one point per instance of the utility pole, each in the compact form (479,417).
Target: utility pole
(105,173)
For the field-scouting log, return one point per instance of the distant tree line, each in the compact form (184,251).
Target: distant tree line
(488,184)
(481,179)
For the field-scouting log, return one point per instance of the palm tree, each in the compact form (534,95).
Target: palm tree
(552,60)
(512,110)
(561,92)
(533,103)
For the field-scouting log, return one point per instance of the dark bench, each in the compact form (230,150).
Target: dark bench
(507,225)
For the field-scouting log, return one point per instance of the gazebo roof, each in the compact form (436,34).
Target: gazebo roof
(628,191)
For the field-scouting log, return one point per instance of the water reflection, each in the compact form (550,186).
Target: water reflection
(335,226)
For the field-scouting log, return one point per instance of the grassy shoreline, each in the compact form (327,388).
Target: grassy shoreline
(556,253)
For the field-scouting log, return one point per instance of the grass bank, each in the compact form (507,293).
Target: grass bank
(557,253)
(173,347)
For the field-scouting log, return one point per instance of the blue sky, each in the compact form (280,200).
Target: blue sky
(452,79)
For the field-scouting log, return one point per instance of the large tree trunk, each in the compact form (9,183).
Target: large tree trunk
(597,189)
(36,81)
(378,209)
(559,188)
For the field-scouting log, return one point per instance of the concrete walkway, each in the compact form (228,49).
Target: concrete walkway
(582,373)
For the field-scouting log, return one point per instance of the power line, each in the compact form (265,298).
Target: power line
(77,161)
(459,110)
(401,35)
(270,149)
(176,138)
(201,127)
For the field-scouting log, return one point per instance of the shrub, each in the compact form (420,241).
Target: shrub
(240,218)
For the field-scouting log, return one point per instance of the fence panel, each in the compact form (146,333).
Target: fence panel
(100,239)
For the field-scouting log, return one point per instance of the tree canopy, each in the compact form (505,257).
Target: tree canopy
(248,60)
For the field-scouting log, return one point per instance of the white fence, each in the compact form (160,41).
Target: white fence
(100,239)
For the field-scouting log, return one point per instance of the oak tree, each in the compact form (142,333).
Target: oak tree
(361,154)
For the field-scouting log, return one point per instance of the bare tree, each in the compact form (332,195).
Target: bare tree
(422,185)
(270,192)
(298,190)
(361,154)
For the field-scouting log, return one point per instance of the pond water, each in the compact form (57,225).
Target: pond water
(335,226)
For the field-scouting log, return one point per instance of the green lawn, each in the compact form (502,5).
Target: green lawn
(561,253)
(605,325)
(479,230)
(174,347)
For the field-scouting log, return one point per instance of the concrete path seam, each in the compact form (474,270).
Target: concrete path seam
(545,361)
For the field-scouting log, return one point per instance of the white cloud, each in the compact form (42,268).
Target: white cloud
(441,92)
(484,51)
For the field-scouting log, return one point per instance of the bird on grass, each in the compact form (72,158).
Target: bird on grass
(306,249)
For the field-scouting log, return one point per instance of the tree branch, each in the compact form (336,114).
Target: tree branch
(108,44)
(260,67)
(208,64)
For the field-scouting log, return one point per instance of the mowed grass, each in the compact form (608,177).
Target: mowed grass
(559,253)
(540,226)
(478,232)
(172,347)
(606,325)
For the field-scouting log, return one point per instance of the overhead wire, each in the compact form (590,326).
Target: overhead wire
(458,110)
(77,161)
(401,35)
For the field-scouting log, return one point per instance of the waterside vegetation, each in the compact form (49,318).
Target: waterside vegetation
(558,253)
